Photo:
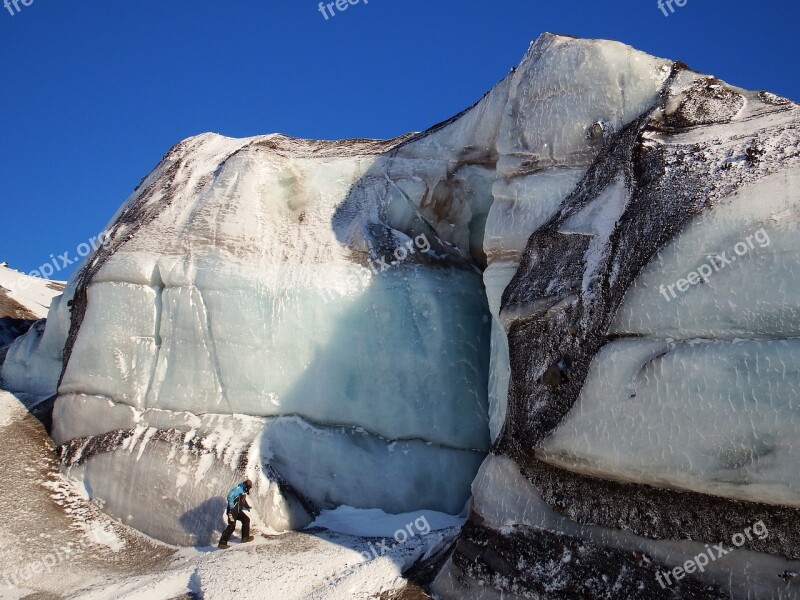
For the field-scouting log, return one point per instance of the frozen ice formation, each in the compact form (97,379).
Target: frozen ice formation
(652,407)
(23,301)
(590,275)
(249,278)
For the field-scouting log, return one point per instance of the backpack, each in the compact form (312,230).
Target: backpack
(235,496)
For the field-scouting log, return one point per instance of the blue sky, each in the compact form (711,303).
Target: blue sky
(94,93)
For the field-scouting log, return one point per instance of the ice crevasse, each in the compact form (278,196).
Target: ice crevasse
(362,322)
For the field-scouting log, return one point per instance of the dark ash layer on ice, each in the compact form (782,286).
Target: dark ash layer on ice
(77,451)
(535,529)
(529,562)
(664,514)
(558,311)
(517,545)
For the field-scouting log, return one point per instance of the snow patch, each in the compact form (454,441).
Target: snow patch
(376,523)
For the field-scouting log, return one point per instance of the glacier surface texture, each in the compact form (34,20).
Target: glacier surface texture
(571,312)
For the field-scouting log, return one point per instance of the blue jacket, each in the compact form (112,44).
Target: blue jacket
(234,495)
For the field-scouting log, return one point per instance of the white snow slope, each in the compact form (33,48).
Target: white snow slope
(32,294)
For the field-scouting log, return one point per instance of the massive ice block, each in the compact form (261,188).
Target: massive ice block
(652,389)
(34,361)
(590,274)
(271,278)
(744,253)
(667,413)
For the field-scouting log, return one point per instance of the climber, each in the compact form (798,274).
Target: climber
(237,505)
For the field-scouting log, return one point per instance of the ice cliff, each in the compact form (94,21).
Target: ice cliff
(590,275)
(24,300)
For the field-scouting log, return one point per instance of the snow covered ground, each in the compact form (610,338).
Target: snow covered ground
(23,300)
(52,540)
(318,564)
(54,543)
(30,294)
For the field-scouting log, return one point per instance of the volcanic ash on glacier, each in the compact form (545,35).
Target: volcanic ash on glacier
(484,309)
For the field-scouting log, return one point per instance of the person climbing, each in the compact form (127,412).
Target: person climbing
(237,505)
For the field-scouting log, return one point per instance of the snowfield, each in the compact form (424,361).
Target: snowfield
(79,552)
(31,295)
(23,300)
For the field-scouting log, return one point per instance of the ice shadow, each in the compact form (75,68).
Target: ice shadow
(388,364)
(206,521)
(372,401)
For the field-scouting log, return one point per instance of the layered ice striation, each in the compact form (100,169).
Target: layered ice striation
(565,98)
(590,273)
(342,284)
(650,324)
(276,278)
(701,390)
(510,504)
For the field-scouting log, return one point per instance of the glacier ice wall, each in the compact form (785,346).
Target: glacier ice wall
(590,274)
(34,362)
(276,278)
(652,387)
(564,98)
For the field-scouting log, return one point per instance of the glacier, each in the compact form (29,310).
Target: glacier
(24,302)
(478,319)
(243,300)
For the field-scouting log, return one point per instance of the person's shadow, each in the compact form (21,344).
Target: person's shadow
(205,522)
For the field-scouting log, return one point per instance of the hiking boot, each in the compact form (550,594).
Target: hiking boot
(249,538)
(223,545)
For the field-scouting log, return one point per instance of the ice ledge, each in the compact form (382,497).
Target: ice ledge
(504,500)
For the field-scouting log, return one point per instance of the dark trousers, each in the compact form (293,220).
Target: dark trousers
(233,516)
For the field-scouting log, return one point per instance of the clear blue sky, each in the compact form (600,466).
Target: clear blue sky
(95,92)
